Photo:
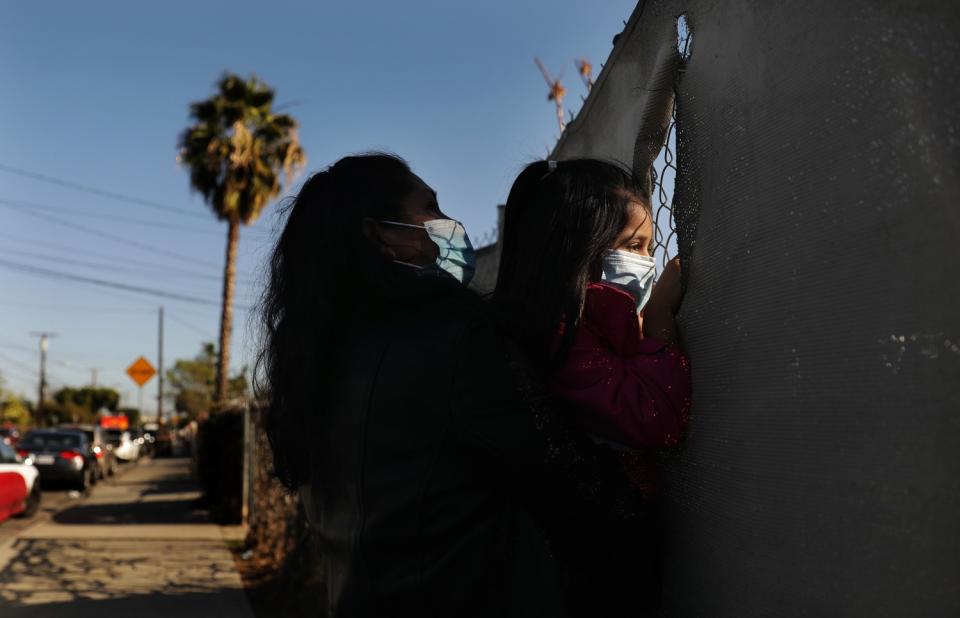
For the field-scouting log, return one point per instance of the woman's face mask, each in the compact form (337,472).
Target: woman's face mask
(630,272)
(456,256)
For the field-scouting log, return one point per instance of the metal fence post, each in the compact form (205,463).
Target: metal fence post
(247,468)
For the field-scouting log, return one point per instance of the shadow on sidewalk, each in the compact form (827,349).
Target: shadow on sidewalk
(153,512)
(164,494)
(61,577)
(182,605)
(103,572)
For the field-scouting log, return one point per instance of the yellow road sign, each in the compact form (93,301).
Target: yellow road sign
(141,371)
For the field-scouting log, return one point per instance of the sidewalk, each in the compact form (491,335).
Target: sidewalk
(138,544)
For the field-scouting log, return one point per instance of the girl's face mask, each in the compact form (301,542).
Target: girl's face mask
(631,273)
(456,256)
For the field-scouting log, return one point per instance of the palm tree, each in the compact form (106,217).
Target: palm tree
(237,149)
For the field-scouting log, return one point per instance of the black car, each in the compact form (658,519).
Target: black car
(61,456)
(106,460)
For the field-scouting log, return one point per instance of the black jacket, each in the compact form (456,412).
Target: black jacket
(447,484)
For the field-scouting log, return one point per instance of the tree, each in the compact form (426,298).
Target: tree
(193,383)
(14,410)
(83,404)
(237,149)
(90,397)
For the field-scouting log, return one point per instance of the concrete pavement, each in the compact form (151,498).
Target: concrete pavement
(138,544)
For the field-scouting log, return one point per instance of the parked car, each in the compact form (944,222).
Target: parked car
(163,442)
(136,435)
(19,487)
(61,455)
(124,447)
(149,443)
(102,450)
(9,436)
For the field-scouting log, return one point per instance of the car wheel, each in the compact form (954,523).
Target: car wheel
(33,501)
(84,484)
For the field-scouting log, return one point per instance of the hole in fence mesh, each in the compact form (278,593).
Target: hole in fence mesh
(684,37)
(664,180)
(664,170)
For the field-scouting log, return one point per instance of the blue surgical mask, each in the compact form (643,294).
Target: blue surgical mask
(631,273)
(456,256)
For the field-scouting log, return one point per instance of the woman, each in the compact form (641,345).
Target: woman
(576,287)
(432,467)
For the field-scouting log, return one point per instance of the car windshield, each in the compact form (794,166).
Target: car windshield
(50,441)
(112,436)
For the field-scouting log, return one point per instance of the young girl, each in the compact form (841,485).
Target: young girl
(575,281)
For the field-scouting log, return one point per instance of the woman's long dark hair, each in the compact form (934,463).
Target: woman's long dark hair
(323,272)
(558,224)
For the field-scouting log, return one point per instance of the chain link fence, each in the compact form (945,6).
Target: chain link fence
(664,174)
(664,170)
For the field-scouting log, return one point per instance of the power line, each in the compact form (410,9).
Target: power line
(186,308)
(202,331)
(46,272)
(114,258)
(142,271)
(76,308)
(101,192)
(73,212)
(74,262)
(72,249)
(105,216)
(53,380)
(116,196)
(132,243)
(17,363)
(25,376)
(65,364)
(56,382)
(14,346)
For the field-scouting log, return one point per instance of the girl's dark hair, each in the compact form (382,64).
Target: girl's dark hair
(558,224)
(323,272)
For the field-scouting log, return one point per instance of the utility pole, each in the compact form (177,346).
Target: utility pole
(160,369)
(93,377)
(42,390)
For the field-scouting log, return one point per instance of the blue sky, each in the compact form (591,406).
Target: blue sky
(97,92)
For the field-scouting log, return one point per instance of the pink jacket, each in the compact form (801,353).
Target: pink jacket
(627,389)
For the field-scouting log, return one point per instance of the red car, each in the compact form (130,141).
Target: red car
(19,485)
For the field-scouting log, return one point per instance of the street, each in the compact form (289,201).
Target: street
(137,542)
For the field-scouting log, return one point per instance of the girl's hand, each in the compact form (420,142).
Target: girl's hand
(667,293)
(658,316)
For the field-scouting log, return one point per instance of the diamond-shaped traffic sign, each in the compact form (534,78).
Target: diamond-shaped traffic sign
(141,371)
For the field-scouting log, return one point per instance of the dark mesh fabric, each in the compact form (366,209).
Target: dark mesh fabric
(818,212)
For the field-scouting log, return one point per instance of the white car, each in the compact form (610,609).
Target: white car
(19,484)
(128,449)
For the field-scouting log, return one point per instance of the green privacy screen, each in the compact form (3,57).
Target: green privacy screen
(817,216)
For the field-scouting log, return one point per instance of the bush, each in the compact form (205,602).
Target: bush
(281,539)
(219,464)
(283,573)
